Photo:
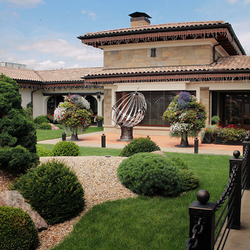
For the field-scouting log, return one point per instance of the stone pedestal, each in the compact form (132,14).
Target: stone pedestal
(126,134)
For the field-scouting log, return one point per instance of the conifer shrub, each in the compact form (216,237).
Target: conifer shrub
(180,163)
(41,118)
(45,126)
(66,148)
(43,152)
(53,190)
(17,230)
(138,146)
(189,180)
(150,174)
(15,160)
(16,128)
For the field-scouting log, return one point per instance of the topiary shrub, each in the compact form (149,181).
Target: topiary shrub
(41,118)
(15,160)
(150,174)
(17,230)
(43,152)
(45,126)
(66,148)
(189,180)
(180,163)
(53,190)
(138,146)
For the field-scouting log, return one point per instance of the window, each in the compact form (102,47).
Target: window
(157,103)
(153,52)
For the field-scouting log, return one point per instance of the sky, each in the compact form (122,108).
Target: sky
(42,34)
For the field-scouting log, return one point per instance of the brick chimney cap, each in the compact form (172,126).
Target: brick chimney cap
(139,14)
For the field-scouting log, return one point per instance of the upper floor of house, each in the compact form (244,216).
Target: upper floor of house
(172,44)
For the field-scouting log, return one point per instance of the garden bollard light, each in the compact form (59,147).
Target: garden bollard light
(103,140)
(64,136)
(196,145)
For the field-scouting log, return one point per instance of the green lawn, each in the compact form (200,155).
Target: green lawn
(87,151)
(53,134)
(148,222)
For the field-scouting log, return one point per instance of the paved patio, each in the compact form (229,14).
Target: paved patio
(166,143)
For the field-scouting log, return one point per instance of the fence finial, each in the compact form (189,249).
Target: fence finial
(203,196)
(236,154)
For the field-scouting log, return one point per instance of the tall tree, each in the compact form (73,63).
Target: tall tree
(16,130)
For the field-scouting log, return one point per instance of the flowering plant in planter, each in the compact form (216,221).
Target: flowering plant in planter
(186,115)
(231,133)
(99,118)
(74,113)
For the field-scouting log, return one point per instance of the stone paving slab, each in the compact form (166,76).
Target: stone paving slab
(166,143)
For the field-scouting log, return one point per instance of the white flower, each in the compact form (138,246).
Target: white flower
(180,127)
(59,113)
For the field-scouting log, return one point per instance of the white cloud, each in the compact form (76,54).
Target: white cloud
(61,48)
(239,1)
(57,53)
(232,1)
(243,34)
(90,13)
(25,3)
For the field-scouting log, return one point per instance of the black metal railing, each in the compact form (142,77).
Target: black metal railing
(207,234)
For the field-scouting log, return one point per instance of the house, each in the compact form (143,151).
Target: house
(205,58)
(46,89)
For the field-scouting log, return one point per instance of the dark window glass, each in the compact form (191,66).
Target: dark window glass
(157,103)
(153,52)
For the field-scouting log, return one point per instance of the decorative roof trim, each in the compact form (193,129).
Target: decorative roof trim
(165,36)
(173,78)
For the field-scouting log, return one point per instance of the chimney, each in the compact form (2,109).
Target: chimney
(139,19)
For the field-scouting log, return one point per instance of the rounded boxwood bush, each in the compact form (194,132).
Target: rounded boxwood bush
(150,174)
(189,180)
(40,119)
(15,160)
(138,146)
(53,190)
(17,230)
(43,152)
(45,126)
(66,148)
(180,163)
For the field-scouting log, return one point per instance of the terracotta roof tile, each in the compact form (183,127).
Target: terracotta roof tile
(233,63)
(155,27)
(20,74)
(66,75)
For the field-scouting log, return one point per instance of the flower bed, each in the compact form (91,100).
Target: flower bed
(224,135)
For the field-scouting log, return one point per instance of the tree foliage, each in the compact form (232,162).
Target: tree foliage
(15,128)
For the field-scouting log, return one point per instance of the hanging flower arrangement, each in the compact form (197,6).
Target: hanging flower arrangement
(74,113)
(186,115)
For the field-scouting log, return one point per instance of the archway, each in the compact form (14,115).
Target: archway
(53,102)
(93,104)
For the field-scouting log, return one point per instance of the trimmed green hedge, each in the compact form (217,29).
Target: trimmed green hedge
(17,230)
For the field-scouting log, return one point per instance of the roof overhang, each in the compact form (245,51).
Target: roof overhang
(223,33)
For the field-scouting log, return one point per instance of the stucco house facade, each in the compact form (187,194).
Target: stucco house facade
(45,89)
(205,58)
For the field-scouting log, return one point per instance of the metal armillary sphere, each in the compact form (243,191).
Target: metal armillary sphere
(128,112)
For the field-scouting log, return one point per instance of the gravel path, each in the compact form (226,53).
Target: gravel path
(97,174)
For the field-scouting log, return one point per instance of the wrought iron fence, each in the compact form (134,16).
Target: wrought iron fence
(207,234)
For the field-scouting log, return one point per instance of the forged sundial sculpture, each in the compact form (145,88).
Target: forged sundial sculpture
(128,112)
